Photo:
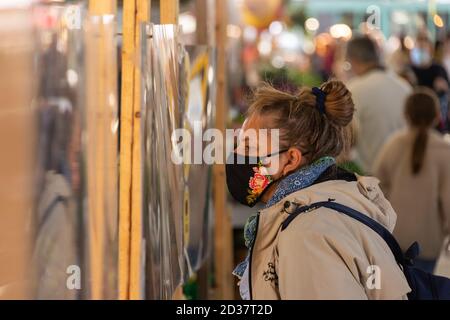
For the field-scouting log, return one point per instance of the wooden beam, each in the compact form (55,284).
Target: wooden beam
(203,37)
(126,143)
(102,7)
(169,10)
(101,71)
(134,13)
(201,14)
(223,241)
(142,15)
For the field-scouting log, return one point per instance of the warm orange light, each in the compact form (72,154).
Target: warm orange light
(438,21)
(322,42)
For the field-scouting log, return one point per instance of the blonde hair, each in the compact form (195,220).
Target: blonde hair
(300,121)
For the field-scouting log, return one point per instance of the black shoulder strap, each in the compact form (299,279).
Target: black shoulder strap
(372,224)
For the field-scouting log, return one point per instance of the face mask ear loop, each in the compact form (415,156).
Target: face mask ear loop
(271,155)
(279,152)
(276,153)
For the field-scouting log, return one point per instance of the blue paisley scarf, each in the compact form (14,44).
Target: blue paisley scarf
(298,180)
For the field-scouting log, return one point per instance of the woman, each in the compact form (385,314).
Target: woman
(321,254)
(414,169)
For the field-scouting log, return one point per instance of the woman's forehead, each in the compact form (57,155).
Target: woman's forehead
(255,122)
(251,129)
(250,126)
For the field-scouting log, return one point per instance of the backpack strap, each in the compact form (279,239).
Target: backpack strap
(372,224)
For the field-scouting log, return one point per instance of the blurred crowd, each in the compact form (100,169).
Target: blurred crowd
(400,130)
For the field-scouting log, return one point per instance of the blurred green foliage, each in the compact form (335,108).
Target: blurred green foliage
(289,77)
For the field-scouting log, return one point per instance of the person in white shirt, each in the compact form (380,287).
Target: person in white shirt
(379,97)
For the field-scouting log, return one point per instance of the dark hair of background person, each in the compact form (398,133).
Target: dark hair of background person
(421,111)
(363,49)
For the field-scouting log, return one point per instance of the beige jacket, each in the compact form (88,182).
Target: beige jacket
(323,254)
(422,202)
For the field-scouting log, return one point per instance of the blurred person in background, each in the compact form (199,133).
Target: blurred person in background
(399,62)
(445,62)
(444,57)
(379,97)
(414,170)
(430,73)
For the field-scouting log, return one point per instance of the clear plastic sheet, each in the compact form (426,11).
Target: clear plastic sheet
(163,181)
(60,213)
(198,117)
(63,174)
(178,92)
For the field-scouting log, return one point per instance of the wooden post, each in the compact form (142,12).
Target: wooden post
(223,241)
(201,14)
(126,141)
(204,29)
(130,221)
(102,147)
(169,10)
(142,15)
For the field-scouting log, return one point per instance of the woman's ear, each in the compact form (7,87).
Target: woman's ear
(294,160)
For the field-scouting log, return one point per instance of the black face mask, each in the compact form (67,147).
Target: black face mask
(245,181)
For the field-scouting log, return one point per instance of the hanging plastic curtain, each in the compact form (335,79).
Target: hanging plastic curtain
(77,212)
(59,214)
(163,181)
(198,117)
(63,175)
(17,142)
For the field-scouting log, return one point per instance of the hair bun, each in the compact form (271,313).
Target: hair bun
(339,106)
